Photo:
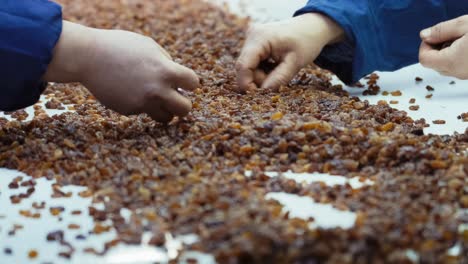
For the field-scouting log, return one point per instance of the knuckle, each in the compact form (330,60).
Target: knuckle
(461,21)
(153,64)
(464,19)
(148,39)
(152,93)
(240,65)
(168,72)
(437,31)
(257,32)
(178,72)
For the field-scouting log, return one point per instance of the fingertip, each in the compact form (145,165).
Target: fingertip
(247,64)
(425,34)
(272,85)
(244,81)
(244,88)
(165,120)
(182,107)
(161,116)
(185,78)
(252,87)
(187,110)
(195,81)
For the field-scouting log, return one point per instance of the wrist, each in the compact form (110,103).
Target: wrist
(71,54)
(325,30)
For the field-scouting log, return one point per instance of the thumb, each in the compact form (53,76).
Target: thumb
(283,73)
(184,78)
(446,31)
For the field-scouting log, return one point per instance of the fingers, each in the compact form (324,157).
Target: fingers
(259,78)
(161,49)
(166,102)
(430,57)
(158,113)
(251,56)
(446,31)
(183,77)
(164,52)
(165,106)
(439,60)
(175,103)
(283,73)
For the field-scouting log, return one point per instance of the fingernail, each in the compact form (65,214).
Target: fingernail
(426,33)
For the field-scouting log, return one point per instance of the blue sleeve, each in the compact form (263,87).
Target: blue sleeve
(29,31)
(381,35)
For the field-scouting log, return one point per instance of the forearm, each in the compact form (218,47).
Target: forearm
(71,54)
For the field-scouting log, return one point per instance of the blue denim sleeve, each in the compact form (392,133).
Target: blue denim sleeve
(381,35)
(29,31)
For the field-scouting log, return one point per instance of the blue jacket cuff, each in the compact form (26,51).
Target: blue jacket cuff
(30,30)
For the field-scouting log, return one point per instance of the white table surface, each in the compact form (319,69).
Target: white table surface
(448,102)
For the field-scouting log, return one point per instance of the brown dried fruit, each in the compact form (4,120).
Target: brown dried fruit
(438,164)
(439,122)
(396,93)
(32,254)
(387,127)
(56,210)
(99,229)
(414,107)
(464,117)
(455,184)
(464,201)
(73,226)
(277,116)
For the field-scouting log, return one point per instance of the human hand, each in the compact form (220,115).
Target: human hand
(126,72)
(291,45)
(453,59)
